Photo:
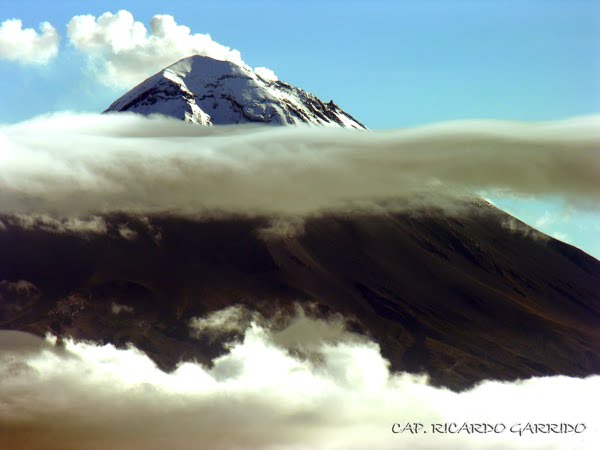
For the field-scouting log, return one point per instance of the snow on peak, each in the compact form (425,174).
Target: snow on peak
(207,91)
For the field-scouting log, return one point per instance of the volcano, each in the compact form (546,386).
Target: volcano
(207,91)
(462,298)
(462,294)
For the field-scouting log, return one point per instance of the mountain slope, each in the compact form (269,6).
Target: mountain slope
(206,91)
(461,297)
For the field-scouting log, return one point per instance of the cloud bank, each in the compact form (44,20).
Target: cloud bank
(81,164)
(27,46)
(122,53)
(260,394)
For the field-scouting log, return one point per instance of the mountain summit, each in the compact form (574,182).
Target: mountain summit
(207,91)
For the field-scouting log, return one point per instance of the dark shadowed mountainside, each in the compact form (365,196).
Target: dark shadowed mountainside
(463,297)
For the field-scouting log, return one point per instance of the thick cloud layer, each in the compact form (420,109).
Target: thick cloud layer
(122,53)
(25,45)
(262,395)
(78,164)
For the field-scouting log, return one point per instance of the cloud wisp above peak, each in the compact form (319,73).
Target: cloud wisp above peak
(122,52)
(83,164)
(27,46)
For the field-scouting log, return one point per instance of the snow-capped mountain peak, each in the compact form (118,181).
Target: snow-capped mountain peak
(207,91)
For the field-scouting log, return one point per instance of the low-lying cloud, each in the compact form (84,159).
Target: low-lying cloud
(66,225)
(260,394)
(298,332)
(27,46)
(81,164)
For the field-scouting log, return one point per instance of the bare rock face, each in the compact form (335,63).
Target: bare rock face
(206,91)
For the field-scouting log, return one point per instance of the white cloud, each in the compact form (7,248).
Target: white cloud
(94,224)
(261,395)
(235,318)
(561,236)
(127,233)
(117,308)
(27,46)
(89,164)
(546,219)
(548,223)
(516,226)
(297,331)
(266,74)
(122,52)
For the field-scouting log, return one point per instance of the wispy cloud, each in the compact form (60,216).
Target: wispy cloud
(545,220)
(80,164)
(561,236)
(548,223)
(266,74)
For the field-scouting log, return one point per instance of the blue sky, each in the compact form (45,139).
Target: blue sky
(390,63)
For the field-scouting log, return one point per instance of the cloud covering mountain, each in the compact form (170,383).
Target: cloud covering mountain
(264,394)
(78,164)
